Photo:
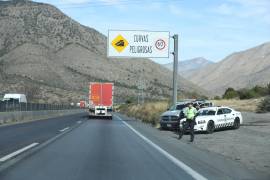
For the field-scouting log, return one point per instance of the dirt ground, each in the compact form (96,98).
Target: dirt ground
(248,105)
(250,144)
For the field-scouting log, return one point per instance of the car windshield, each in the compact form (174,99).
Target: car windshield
(206,112)
(178,107)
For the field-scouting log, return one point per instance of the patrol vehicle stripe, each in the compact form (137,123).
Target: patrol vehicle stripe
(224,125)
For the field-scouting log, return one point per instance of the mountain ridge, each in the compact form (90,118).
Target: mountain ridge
(43,48)
(188,65)
(243,69)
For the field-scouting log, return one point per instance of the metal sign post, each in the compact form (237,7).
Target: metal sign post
(175,69)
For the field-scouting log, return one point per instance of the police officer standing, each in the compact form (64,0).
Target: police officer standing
(190,113)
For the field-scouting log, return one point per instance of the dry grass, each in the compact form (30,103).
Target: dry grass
(240,105)
(149,112)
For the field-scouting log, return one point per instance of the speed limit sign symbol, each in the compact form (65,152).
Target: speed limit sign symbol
(160,44)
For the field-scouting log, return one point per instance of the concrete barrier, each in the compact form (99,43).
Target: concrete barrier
(25,116)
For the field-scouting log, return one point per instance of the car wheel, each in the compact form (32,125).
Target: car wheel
(236,123)
(210,127)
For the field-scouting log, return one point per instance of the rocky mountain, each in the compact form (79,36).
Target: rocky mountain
(189,65)
(239,70)
(49,56)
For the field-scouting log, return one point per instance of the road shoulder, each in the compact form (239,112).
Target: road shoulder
(205,162)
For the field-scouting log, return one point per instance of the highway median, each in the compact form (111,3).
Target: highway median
(16,117)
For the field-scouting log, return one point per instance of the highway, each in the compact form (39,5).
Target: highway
(14,137)
(118,149)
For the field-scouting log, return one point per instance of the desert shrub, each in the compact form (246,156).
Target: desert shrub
(130,100)
(148,112)
(217,98)
(254,92)
(247,94)
(203,97)
(230,93)
(260,91)
(264,105)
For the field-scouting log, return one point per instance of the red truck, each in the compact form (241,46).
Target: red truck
(100,99)
(82,104)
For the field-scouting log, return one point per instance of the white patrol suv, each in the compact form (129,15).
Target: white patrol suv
(211,118)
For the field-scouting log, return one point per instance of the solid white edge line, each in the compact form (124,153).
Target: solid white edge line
(62,130)
(176,161)
(3,159)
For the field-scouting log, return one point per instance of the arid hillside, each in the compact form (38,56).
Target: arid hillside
(44,50)
(239,70)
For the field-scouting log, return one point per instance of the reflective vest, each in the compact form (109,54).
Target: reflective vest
(190,113)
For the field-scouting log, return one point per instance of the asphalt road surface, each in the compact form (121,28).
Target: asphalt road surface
(122,150)
(14,137)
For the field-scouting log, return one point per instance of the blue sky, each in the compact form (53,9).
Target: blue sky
(212,29)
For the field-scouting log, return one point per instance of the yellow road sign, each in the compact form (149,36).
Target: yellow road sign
(138,44)
(119,43)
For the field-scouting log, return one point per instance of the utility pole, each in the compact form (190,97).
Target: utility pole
(142,87)
(139,87)
(140,90)
(175,68)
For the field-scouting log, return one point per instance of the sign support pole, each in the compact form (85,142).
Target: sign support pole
(175,69)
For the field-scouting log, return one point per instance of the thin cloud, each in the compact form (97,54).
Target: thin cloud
(113,2)
(74,1)
(181,12)
(174,10)
(225,9)
(258,9)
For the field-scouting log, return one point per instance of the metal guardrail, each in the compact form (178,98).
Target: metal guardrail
(14,106)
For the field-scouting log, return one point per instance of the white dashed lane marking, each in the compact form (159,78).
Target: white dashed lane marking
(11,155)
(62,130)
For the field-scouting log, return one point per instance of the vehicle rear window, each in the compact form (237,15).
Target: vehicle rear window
(207,113)
(180,107)
(227,111)
(100,109)
(219,112)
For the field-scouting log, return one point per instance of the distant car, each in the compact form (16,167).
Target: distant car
(211,118)
(171,118)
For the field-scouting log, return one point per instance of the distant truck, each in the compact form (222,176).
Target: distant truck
(82,104)
(19,98)
(100,99)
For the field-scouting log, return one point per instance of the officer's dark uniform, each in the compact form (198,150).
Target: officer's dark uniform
(190,114)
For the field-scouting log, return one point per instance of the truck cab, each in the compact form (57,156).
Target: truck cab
(20,98)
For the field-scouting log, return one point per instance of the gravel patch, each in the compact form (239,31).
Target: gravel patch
(249,145)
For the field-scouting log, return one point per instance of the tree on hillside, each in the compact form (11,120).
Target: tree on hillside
(247,93)
(230,93)
(262,91)
(254,92)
